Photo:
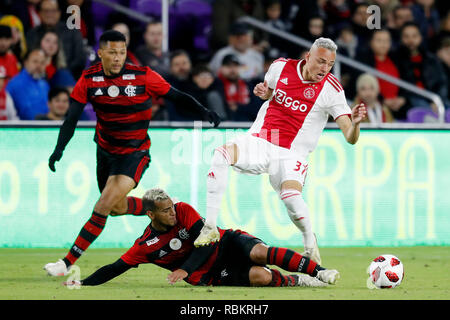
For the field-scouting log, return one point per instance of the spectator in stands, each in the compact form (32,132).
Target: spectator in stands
(58,105)
(337,14)
(26,11)
(400,15)
(347,42)
(367,91)
(273,19)
(19,44)
(150,53)
(7,108)
(72,39)
(86,18)
(387,8)
(427,18)
(225,13)
(420,67)
(56,66)
(240,43)
(380,57)
(180,78)
(359,23)
(180,70)
(209,90)
(29,88)
(315,28)
(8,61)
(125,30)
(242,106)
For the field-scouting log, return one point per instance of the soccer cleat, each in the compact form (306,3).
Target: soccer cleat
(328,276)
(304,280)
(57,269)
(313,253)
(207,235)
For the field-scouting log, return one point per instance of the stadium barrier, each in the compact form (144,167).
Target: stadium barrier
(390,189)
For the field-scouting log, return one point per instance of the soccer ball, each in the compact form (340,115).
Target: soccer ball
(385,271)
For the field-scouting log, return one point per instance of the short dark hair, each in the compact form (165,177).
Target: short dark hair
(111,35)
(179,52)
(55,91)
(409,24)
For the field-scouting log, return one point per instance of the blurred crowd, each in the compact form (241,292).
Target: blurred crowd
(219,60)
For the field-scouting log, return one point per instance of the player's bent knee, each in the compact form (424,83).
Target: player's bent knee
(258,254)
(259,276)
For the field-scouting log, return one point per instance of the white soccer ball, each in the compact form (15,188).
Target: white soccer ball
(385,271)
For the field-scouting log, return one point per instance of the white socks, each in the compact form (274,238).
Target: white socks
(299,214)
(216,184)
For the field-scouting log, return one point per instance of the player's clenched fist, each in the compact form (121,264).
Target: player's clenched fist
(359,113)
(261,90)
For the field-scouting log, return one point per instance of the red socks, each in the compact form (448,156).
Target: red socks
(291,261)
(90,231)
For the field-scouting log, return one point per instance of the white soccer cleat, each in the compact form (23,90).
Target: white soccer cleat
(304,280)
(328,276)
(57,269)
(207,235)
(313,253)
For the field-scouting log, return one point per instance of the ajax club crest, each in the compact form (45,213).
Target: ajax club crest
(309,93)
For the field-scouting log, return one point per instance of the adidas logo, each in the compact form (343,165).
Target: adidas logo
(284,80)
(99,92)
(162,253)
(211,175)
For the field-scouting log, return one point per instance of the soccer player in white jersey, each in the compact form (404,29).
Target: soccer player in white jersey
(300,95)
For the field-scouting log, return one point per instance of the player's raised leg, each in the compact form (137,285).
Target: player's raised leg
(216,184)
(291,195)
(116,189)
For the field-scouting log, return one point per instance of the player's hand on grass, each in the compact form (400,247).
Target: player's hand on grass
(177,275)
(56,156)
(213,118)
(359,113)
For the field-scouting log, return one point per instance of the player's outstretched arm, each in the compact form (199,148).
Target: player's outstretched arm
(183,99)
(66,132)
(350,126)
(104,274)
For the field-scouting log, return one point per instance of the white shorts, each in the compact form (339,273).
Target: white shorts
(257,156)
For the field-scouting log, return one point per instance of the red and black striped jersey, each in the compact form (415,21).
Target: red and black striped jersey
(122,104)
(172,248)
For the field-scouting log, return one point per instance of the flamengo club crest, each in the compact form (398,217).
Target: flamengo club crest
(130,90)
(309,93)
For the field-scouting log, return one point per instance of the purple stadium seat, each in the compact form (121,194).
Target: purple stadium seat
(194,7)
(101,12)
(149,7)
(420,115)
(447,116)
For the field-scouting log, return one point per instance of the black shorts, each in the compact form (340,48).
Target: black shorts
(233,262)
(132,165)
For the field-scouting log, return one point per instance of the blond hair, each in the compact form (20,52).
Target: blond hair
(367,79)
(151,196)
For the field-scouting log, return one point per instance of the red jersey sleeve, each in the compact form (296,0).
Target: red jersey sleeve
(134,256)
(187,215)
(79,92)
(155,84)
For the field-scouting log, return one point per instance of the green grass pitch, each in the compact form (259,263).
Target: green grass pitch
(427,277)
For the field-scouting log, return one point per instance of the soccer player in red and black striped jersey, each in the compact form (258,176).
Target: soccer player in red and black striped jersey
(121,95)
(237,259)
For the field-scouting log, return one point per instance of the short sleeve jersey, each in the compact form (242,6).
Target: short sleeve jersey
(296,114)
(172,248)
(122,104)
